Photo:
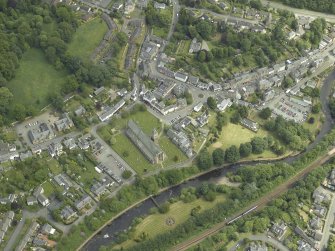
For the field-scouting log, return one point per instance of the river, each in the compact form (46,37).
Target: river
(124,221)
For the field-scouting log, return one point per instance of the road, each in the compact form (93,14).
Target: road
(300,12)
(262,237)
(260,203)
(222,16)
(328,225)
(176,9)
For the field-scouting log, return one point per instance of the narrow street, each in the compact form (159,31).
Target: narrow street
(328,225)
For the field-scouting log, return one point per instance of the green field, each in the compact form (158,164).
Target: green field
(233,134)
(48,188)
(87,37)
(171,151)
(156,224)
(35,79)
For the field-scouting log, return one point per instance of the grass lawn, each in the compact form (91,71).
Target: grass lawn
(35,79)
(54,166)
(48,188)
(145,120)
(315,127)
(87,38)
(171,150)
(156,223)
(233,134)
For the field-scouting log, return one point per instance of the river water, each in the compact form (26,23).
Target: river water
(124,221)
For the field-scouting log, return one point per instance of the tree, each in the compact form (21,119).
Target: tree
(265,113)
(202,56)
(126,174)
(245,149)
(316,108)
(211,102)
(204,160)
(287,82)
(218,156)
(5,98)
(258,145)
(232,154)
(235,118)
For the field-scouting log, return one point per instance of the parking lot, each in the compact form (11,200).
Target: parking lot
(290,110)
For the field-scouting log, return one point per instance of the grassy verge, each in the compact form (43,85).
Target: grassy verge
(35,80)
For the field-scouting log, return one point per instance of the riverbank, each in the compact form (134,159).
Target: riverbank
(193,177)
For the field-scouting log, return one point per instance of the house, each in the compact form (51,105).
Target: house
(180,139)
(315,223)
(320,196)
(179,90)
(48,229)
(38,241)
(83,142)
(160,6)
(80,111)
(55,149)
(99,91)
(117,6)
(83,202)
(69,143)
(164,89)
(202,119)
(122,92)
(31,231)
(195,46)
(40,134)
(98,188)
(31,201)
(41,198)
(64,123)
(193,80)
(291,35)
(251,125)
(67,213)
(142,4)
(279,230)
(108,112)
(318,236)
(216,87)
(257,247)
(96,146)
(305,238)
(198,107)
(129,7)
(268,95)
(264,84)
(149,149)
(222,106)
(25,155)
(149,51)
(181,77)
(320,211)
(304,246)
(63,181)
